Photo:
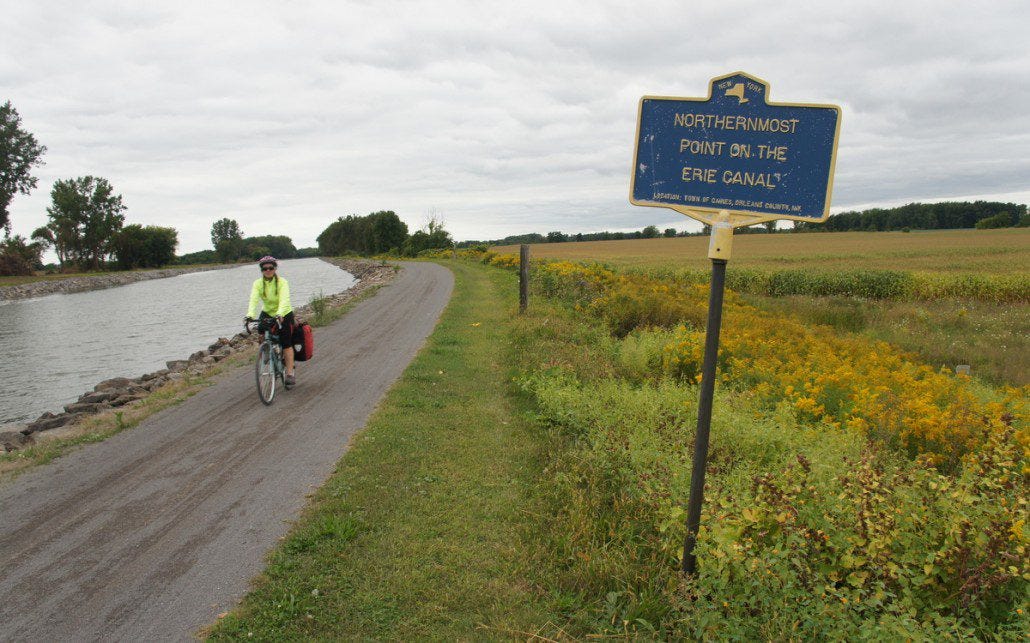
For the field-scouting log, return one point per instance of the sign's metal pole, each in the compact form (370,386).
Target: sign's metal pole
(719,252)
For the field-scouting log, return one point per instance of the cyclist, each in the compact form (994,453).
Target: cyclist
(273,293)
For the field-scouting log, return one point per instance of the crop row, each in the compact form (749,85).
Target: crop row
(894,285)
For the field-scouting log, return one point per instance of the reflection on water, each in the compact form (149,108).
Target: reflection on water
(60,346)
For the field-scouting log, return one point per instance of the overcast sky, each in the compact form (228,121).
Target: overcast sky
(502,118)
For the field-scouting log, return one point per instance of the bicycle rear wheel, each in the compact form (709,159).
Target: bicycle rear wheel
(265,374)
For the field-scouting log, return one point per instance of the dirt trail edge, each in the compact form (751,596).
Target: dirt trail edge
(153,532)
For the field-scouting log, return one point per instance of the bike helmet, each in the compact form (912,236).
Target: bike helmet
(268,259)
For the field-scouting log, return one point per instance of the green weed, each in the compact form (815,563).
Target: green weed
(809,531)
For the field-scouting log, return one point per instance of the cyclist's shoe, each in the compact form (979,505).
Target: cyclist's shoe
(291,380)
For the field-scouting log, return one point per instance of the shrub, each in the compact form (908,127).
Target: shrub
(505,261)
(806,535)
(319,304)
(1000,220)
(815,525)
(18,257)
(883,550)
(630,303)
(13,265)
(846,381)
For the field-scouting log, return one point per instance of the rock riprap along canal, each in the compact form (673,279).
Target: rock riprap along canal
(59,346)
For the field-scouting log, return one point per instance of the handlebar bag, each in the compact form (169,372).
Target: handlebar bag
(303,342)
(269,324)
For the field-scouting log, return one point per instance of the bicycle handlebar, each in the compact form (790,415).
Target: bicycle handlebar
(247,322)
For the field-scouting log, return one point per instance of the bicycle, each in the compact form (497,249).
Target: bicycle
(269,365)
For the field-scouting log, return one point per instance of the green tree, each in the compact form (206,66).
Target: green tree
(1000,220)
(386,232)
(227,239)
(19,257)
(57,236)
(85,217)
(341,237)
(255,251)
(19,151)
(432,237)
(669,232)
(201,256)
(650,232)
(378,232)
(225,229)
(280,247)
(533,237)
(129,247)
(557,237)
(229,250)
(145,247)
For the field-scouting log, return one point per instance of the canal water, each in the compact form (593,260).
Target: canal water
(60,346)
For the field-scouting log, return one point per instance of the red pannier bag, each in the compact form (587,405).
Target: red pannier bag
(303,342)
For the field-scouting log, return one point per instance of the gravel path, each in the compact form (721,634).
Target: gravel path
(153,532)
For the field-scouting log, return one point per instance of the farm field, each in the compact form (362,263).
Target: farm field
(1003,251)
(953,297)
(853,489)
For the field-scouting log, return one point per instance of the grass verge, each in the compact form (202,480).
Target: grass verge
(427,528)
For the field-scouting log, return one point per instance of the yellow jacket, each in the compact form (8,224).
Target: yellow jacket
(275,293)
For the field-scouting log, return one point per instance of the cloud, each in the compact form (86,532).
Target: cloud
(505,119)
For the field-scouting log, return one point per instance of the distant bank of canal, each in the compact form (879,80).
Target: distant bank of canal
(59,346)
(68,285)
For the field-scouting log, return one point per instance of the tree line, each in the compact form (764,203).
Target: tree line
(230,246)
(914,216)
(649,232)
(925,216)
(87,231)
(381,233)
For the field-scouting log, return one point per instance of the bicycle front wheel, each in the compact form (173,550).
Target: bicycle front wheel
(265,372)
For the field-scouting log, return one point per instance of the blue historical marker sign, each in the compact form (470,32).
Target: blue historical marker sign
(735,151)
